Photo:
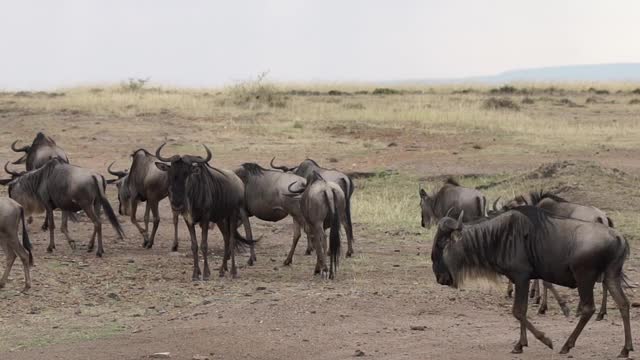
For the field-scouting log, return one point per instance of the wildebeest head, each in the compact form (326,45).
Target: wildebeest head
(40,139)
(427,217)
(179,169)
(449,231)
(124,195)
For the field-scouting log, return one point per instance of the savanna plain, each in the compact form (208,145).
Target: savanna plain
(579,140)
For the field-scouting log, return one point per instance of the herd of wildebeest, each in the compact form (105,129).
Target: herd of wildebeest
(535,236)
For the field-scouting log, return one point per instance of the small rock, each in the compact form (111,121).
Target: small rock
(261,288)
(161,355)
(113,296)
(200,357)
(392,144)
(131,261)
(418,328)
(359,353)
(635,304)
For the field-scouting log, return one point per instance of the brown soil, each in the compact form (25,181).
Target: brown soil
(134,302)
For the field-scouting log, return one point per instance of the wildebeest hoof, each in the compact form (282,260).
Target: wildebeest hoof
(50,249)
(565,310)
(545,340)
(99,253)
(517,349)
(349,253)
(308,252)
(29,220)
(195,278)
(542,310)
(2,285)
(600,316)
(624,354)
(72,245)
(287,262)
(26,289)
(174,248)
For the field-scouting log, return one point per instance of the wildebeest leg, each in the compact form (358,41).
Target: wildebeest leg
(561,302)
(132,215)
(175,232)
(603,306)
(65,230)
(297,232)
(24,257)
(318,243)
(230,223)
(510,289)
(535,291)
(225,238)
(612,280)
(249,235)
(10,257)
(45,224)
(587,308)
(92,213)
(520,313)
(310,246)
(204,249)
(156,221)
(51,226)
(347,227)
(194,250)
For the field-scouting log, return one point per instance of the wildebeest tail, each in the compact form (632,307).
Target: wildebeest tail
(241,242)
(26,243)
(347,205)
(72,216)
(334,232)
(108,210)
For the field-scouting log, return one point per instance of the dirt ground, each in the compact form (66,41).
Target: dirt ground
(385,303)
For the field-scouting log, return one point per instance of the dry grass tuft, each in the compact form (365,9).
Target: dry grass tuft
(500,104)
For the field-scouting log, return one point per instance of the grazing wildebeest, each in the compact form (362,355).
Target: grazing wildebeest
(58,185)
(267,197)
(11,214)
(306,169)
(323,201)
(559,207)
(530,243)
(143,182)
(42,149)
(451,196)
(204,194)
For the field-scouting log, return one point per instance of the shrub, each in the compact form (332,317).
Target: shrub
(354,106)
(634,102)
(598,92)
(528,100)
(636,91)
(257,92)
(385,91)
(500,104)
(362,92)
(337,93)
(505,89)
(133,84)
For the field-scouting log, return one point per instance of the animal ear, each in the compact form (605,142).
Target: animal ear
(22,160)
(162,166)
(423,194)
(610,222)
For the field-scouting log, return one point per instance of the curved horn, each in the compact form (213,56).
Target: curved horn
(171,159)
(495,204)
(119,174)
(198,159)
(448,212)
(22,149)
(300,191)
(283,168)
(11,172)
(460,219)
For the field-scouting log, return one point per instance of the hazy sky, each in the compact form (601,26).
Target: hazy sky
(204,43)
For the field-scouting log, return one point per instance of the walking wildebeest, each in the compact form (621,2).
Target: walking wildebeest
(42,149)
(323,201)
(451,196)
(306,169)
(143,182)
(58,185)
(563,208)
(267,197)
(11,214)
(530,243)
(203,194)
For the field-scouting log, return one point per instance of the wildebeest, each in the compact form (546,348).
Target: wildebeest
(267,197)
(204,194)
(451,196)
(323,200)
(11,215)
(530,243)
(42,149)
(560,207)
(305,169)
(58,185)
(143,182)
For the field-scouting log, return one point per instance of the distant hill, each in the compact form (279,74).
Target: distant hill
(599,72)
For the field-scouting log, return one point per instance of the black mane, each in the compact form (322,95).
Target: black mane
(538,196)
(253,168)
(451,181)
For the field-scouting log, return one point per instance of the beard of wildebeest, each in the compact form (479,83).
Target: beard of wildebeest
(448,231)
